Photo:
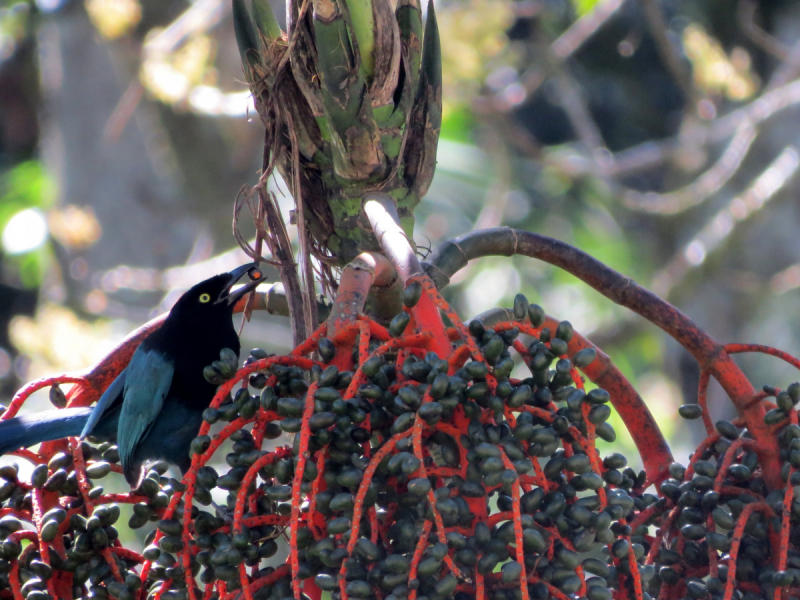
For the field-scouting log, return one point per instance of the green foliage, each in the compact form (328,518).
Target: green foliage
(15,22)
(25,186)
(363,26)
(29,266)
(584,7)
(458,123)
(265,20)
(246,38)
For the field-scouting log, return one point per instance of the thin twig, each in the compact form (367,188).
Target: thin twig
(251,299)
(702,187)
(491,214)
(246,197)
(650,154)
(277,122)
(720,226)
(667,52)
(789,69)
(584,28)
(581,120)
(309,314)
(287,268)
(746,16)
(200,16)
(123,111)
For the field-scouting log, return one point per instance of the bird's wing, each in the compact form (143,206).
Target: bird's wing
(112,393)
(147,383)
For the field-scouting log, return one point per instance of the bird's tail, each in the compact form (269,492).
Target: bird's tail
(27,430)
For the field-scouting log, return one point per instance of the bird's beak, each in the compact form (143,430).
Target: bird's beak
(256,277)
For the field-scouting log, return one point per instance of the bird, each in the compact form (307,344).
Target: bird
(154,408)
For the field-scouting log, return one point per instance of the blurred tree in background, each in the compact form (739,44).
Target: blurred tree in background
(659,137)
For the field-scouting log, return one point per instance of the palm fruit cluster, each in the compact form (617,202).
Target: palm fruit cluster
(725,533)
(78,533)
(409,484)
(412,477)
(402,481)
(351,100)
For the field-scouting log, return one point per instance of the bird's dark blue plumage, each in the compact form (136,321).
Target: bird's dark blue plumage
(154,408)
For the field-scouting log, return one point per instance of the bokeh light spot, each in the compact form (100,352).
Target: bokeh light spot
(25,231)
(96,301)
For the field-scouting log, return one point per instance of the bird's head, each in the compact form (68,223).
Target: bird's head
(216,294)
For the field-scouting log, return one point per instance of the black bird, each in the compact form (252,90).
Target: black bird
(153,409)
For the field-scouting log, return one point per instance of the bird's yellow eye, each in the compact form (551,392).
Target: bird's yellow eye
(204,298)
